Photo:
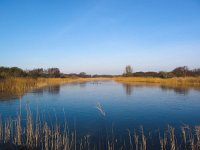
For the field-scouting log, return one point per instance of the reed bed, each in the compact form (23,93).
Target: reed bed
(18,86)
(42,135)
(187,81)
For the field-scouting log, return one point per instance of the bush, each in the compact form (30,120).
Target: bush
(166,75)
(11,72)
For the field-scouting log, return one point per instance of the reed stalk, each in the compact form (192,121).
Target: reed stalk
(136,139)
(172,138)
(197,131)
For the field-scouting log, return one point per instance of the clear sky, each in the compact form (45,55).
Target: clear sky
(100,36)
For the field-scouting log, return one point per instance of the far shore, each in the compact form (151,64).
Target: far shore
(17,86)
(189,81)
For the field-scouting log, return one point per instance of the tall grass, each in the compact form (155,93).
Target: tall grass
(40,135)
(187,81)
(18,86)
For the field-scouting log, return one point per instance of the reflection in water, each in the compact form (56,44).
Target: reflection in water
(128,88)
(153,106)
(177,89)
(9,96)
(74,84)
(83,84)
(54,90)
(39,91)
(181,91)
(96,82)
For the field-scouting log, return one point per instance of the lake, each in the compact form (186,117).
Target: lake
(97,108)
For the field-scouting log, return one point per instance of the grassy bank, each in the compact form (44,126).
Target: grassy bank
(18,86)
(182,81)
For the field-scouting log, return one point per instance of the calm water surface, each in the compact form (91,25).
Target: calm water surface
(125,106)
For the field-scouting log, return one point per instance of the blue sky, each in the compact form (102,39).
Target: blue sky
(100,36)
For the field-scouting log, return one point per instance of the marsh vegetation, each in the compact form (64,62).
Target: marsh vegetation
(34,133)
(16,86)
(176,81)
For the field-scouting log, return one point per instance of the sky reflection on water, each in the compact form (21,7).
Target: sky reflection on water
(126,106)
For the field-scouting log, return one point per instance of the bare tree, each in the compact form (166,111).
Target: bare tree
(181,71)
(128,71)
(53,72)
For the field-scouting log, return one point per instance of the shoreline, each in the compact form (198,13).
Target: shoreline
(16,87)
(19,86)
(186,81)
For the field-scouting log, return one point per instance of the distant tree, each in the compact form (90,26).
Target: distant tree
(82,73)
(181,71)
(151,74)
(196,72)
(4,72)
(11,72)
(39,72)
(128,71)
(53,72)
(17,72)
(102,75)
(139,74)
(163,74)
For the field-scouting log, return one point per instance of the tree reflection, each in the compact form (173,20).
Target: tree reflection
(82,84)
(177,90)
(181,90)
(128,88)
(39,91)
(10,96)
(184,91)
(54,90)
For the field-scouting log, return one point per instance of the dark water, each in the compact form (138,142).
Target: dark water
(125,106)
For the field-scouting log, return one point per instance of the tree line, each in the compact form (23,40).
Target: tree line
(39,72)
(182,71)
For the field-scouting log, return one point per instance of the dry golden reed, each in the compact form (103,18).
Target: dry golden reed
(194,81)
(41,135)
(18,86)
